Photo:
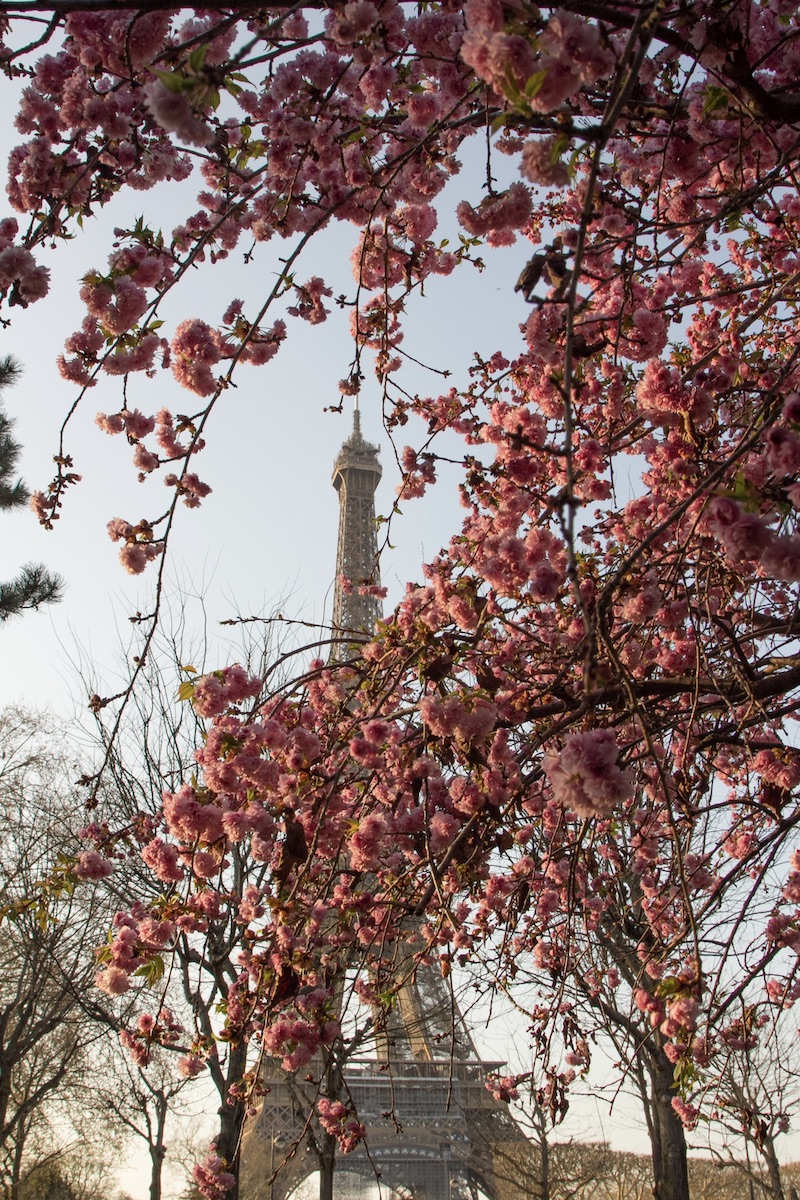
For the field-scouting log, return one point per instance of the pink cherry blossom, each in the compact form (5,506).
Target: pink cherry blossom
(567,753)
(584,775)
(92,865)
(191,1066)
(173,112)
(112,980)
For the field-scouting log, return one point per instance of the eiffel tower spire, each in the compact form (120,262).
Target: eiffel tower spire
(356,474)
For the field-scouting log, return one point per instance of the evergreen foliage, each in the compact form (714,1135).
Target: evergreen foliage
(34,585)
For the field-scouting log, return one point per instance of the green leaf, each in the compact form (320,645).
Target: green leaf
(354,137)
(535,83)
(560,145)
(186,690)
(197,58)
(745,493)
(715,99)
(173,82)
(668,986)
(151,971)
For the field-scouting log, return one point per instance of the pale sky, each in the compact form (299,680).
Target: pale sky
(266,537)
(267,534)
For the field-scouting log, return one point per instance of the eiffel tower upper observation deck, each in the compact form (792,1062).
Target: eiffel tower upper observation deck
(416,1079)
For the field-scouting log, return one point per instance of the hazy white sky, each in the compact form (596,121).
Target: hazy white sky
(267,534)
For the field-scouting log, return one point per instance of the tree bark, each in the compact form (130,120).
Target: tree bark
(157,1147)
(670,1172)
(327,1141)
(773,1169)
(327,1165)
(544,1160)
(12,1188)
(231,1116)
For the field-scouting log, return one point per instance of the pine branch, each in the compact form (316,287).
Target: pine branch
(10,372)
(12,495)
(34,586)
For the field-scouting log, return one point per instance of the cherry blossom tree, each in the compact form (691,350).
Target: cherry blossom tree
(576,730)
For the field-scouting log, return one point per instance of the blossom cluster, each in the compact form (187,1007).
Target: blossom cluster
(338,1119)
(585,776)
(20,276)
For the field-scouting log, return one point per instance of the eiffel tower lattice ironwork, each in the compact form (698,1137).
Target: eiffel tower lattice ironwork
(356,475)
(433,1130)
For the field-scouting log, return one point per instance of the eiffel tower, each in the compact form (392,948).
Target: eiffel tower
(418,1084)
(356,475)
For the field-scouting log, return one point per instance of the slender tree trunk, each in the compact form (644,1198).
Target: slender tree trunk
(327,1141)
(157,1147)
(773,1169)
(327,1165)
(670,1172)
(231,1117)
(13,1189)
(9,1134)
(544,1168)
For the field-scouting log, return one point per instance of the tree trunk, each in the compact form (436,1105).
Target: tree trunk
(327,1165)
(773,1168)
(327,1141)
(544,1170)
(157,1147)
(231,1117)
(13,1184)
(670,1173)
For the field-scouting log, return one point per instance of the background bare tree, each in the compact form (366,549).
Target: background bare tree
(46,1037)
(151,752)
(757,1098)
(145,1102)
